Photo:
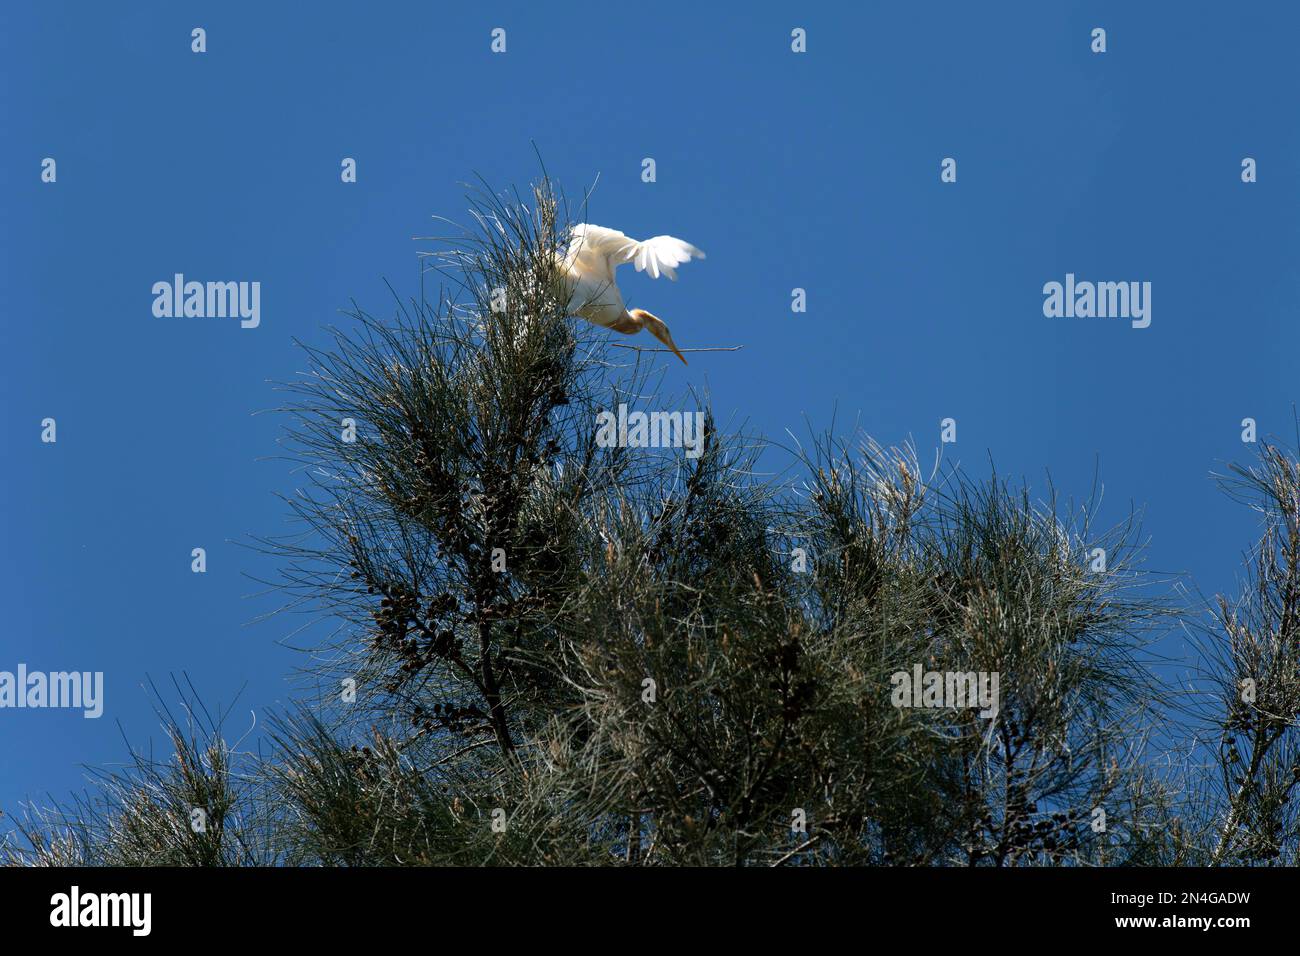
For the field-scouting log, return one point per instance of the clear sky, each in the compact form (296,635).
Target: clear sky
(818,170)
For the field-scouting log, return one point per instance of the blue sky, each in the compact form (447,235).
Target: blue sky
(816,170)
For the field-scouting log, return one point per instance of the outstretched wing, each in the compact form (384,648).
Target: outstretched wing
(600,243)
(662,254)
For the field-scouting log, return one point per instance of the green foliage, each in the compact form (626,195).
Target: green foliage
(567,654)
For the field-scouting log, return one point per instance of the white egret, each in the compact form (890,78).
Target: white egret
(588,266)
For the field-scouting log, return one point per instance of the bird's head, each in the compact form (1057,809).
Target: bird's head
(658,329)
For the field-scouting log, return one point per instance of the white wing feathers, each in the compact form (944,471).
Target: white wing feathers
(599,242)
(664,254)
(661,254)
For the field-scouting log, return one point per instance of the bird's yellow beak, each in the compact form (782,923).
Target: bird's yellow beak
(660,331)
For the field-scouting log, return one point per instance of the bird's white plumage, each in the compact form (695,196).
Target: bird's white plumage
(590,242)
(657,255)
(594,252)
(586,272)
(664,254)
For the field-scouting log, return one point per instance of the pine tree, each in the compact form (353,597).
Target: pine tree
(551,650)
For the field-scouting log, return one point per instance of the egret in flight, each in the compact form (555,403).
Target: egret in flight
(588,266)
